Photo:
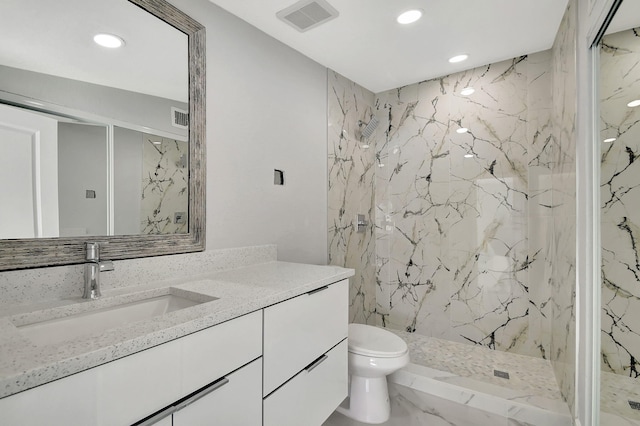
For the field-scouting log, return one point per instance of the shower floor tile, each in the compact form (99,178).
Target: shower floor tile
(615,392)
(534,376)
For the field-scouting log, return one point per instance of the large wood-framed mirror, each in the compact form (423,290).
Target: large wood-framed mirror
(92,100)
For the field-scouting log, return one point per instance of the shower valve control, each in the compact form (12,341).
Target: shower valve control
(361,223)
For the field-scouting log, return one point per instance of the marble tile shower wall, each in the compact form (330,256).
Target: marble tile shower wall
(351,191)
(563,235)
(462,217)
(165,185)
(620,203)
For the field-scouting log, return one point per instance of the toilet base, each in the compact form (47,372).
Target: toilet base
(368,400)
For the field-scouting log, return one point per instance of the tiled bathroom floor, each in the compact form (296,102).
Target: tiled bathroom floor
(449,383)
(410,407)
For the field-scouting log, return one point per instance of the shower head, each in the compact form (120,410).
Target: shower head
(370,127)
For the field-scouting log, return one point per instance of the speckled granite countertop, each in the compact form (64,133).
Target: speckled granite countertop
(25,364)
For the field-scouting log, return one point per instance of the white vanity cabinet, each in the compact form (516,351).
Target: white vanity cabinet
(234,400)
(282,365)
(129,389)
(305,357)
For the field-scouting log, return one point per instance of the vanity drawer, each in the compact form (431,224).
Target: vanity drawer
(299,330)
(312,395)
(237,402)
(215,351)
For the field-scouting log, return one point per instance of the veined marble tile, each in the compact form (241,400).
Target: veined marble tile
(452,230)
(165,185)
(562,254)
(620,220)
(351,191)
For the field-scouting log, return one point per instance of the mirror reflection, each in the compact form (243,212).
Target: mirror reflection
(94,139)
(619,91)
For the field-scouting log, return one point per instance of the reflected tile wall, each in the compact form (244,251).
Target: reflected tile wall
(620,198)
(455,209)
(165,185)
(563,235)
(351,181)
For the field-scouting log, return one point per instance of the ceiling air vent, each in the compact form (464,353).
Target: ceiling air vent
(307,14)
(179,118)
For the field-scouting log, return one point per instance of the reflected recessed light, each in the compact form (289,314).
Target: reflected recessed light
(108,40)
(467,91)
(609,140)
(157,142)
(410,16)
(468,156)
(35,103)
(365,146)
(458,58)
(462,130)
(634,103)
(380,165)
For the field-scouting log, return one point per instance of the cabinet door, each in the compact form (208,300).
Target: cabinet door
(312,395)
(68,401)
(299,330)
(237,402)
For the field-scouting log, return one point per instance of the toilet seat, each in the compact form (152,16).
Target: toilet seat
(375,342)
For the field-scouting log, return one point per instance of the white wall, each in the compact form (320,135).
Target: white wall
(266,109)
(82,159)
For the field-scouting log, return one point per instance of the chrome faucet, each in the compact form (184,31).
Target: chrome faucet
(92,268)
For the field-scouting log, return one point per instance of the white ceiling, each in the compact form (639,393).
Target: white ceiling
(627,17)
(56,37)
(368,46)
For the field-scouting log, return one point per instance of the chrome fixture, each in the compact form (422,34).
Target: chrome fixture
(361,223)
(92,268)
(368,127)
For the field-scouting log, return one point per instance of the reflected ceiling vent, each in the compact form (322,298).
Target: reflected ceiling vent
(307,14)
(179,118)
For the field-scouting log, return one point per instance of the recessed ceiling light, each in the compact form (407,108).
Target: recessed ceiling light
(467,91)
(609,140)
(462,130)
(634,103)
(468,156)
(108,40)
(409,16)
(458,58)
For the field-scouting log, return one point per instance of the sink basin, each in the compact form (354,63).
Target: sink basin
(94,322)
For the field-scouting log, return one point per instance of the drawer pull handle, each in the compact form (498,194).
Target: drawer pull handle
(316,363)
(317,290)
(215,386)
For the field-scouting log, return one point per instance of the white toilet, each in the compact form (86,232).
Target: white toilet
(374,353)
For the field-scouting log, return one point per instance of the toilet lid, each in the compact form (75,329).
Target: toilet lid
(374,341)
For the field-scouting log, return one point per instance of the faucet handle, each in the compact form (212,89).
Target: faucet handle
(92,250)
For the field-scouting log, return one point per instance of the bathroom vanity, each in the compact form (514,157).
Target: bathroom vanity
(261,345)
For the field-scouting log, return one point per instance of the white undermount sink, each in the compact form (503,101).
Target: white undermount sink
(94,322)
